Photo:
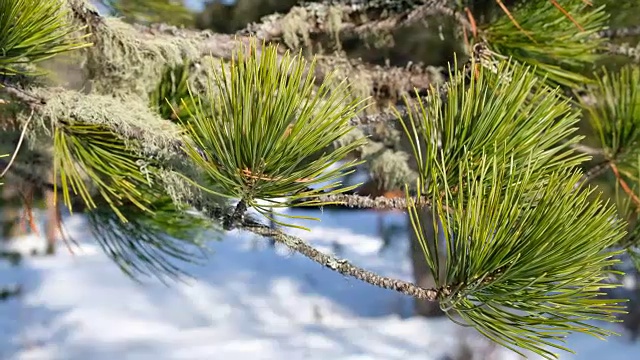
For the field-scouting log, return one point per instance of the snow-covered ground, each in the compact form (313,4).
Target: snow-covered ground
(248,302)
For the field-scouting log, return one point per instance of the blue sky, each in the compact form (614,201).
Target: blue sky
(197,4)
(193,4)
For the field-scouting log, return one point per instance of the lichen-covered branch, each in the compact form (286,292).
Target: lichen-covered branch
(131,58)
(624,49)
(99,109)
(587,149)
(621,32)
(128,117)
(378,203)
(342,266)
(344,19)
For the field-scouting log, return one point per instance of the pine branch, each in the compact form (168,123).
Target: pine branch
(621,32)
(624,49)
(349,18)
(495,274)
(587,149)
(344,267)
(378,203)
(340,265)
(161,39)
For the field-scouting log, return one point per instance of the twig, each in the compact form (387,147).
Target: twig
(342,266)
(593,173)
(15,152)
(378,203)
(587,149)
(236,217)
(624,50)
(598,170)
(621,32)
(625,186)
(378,118)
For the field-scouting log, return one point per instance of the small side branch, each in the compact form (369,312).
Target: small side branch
(340,265)
(593,173)
(587,150)
(378,203)
(621,32)
(375,119)
(625,49)
(625,187)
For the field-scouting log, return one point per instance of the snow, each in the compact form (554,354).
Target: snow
(249,301)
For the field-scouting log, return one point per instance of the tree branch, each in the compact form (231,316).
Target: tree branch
(621,32)
(587,149)
(348,18)
(625,49)
(378,203)
(158,40)
(340,265)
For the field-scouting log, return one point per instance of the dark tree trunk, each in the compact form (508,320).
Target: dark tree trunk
(52,224)
(10,212)
(421,272)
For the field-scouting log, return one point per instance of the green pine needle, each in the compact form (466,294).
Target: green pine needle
(151,244)
(129,213)
(509,112)
(90,158)
(551,43)
(34,30)
(528,256)
(615,113)
(167,98)
(151,11)
(267,131)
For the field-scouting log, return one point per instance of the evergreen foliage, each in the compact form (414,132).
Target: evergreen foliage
(150,11)
(33,31)
(545,39)
(181,131)
(264,133)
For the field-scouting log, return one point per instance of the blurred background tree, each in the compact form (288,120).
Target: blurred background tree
(150,11)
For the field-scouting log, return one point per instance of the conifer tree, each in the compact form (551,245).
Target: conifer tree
(172,120)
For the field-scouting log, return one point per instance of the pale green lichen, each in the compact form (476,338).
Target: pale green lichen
(341,68)
(364,151)
(334,22)
(144,132)
(183,192)
(391,169)
(125,60)
(296,28)
(128,116)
